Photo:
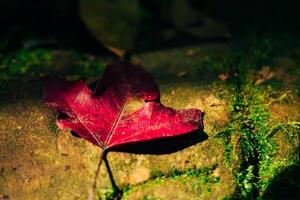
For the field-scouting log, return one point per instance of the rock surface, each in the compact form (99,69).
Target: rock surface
(38,161)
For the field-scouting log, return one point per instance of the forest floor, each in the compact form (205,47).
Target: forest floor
(249,90)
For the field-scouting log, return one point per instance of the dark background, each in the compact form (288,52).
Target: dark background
(60,19)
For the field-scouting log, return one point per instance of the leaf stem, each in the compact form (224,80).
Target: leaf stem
(94,189)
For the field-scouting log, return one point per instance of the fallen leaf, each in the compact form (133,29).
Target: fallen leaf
(223,76)
(181,73)
(264,74)
(216,172)
(100,116)
(190,53)
(197,24)
(259,81)
(113,23)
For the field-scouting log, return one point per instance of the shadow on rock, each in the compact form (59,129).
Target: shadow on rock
(163,145)
(155,147)
(284,185)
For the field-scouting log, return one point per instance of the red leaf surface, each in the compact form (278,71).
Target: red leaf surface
(99,116)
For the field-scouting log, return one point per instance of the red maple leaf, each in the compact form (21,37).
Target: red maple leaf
(99,116)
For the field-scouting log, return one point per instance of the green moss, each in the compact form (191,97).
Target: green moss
(251,126)
(193,177)
(38,63)
(156,174)
(24,62)
(107,194)
(88,66)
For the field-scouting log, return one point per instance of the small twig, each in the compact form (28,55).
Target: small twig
(76,194)
(94,189)
(282,97)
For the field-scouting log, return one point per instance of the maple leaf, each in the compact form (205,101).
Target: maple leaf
(99,116)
